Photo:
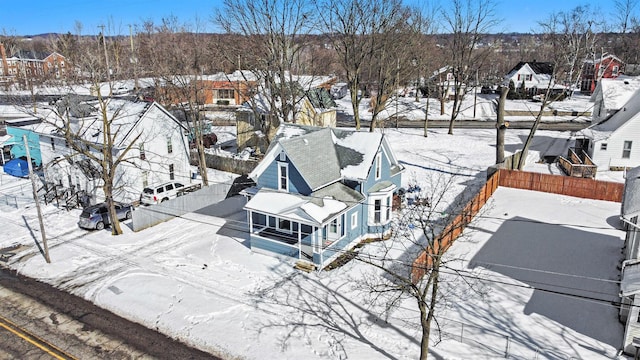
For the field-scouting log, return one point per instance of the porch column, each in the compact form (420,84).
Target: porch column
(250,221)
(299,242)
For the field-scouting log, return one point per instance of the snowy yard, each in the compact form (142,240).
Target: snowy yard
(195,278)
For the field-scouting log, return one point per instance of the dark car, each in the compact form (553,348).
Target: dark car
(97,216)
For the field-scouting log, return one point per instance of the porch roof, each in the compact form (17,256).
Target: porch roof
(295,207)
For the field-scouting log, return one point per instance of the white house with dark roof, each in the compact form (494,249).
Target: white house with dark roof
(614,142)
(320,191)
(611,95)
(534,75)
(156,141)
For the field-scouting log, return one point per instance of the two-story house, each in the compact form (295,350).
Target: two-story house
(320,191)
(155,141)
(612,143)
(607,66)
(610,95)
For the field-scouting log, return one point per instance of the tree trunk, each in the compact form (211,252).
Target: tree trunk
(453,112)
(353,89)
(426,117)
(504,90)
(427,313)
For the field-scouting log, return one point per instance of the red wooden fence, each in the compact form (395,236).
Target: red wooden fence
(557,184)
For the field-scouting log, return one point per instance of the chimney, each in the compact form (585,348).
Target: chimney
(3,58)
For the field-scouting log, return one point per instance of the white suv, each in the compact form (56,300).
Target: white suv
(159,193)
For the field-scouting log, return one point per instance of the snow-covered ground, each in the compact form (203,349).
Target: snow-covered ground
(196,279)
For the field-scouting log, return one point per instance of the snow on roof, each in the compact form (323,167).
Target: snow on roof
(294,207)
(631,198)
(87,121)
(629,112)
(365,143)
(617,92)
(238,75)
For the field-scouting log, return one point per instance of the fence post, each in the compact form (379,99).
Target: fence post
(506,350)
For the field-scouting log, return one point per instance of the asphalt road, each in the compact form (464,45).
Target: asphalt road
(75,326)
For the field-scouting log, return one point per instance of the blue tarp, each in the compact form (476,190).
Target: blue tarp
(17,167)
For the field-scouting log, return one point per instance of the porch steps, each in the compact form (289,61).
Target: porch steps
(305,266)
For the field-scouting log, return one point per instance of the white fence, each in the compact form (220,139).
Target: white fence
(147,216)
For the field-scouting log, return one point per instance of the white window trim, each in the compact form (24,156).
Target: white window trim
(383,209)
(354,220)
(378,166)
(280,165)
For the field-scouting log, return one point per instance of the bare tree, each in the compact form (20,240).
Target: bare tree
(178,54)
(571,37)
(275,32)
(423,229)
(467,22)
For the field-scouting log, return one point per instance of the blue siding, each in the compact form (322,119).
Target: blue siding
(269,179)
(384,175)
(274,247)
(18,150)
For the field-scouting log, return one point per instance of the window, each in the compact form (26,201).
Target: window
(603,146)
(169,146)
(172,176)
(354,220)
(614,72)
(284,225)
(225,94)
(626,150)
(388,212)
(169,187)
(143,156)
(378,166)
(377,211)
(53,144)
(283,177)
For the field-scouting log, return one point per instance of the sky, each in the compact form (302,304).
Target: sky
(29,18)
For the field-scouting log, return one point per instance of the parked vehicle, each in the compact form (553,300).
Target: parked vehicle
(159,193)
(97,216)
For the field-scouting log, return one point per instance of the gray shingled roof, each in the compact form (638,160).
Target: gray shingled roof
(337,191)
(314,157)
(631,199)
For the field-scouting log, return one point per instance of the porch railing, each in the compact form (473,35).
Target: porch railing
(578,164)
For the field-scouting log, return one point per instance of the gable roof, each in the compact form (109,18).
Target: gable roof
(617,91)
(326,155)
(603,130)
(85,117)
(537,67)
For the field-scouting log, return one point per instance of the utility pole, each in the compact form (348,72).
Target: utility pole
(134,60)
(106,57)
(35,198)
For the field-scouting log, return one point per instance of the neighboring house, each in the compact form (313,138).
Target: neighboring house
(228,89)
(313,106)
(157,141)
(320,191)
(444,80)
(610,95)
(32,65)
(608,66)
(16,142)
(630,284)
(536,77)
(614,143)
